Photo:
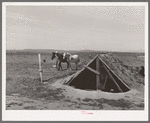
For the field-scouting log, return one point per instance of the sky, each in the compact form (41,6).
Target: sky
(111,28)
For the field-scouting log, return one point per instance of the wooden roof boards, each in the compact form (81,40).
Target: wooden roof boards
(97,75)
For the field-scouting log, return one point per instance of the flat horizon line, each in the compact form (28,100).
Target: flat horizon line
(75,50)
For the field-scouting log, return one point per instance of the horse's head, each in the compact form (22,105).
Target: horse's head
(53,55)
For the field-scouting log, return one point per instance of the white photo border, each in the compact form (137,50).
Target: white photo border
(72,115)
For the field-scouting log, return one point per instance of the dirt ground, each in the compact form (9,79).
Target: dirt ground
(24,91)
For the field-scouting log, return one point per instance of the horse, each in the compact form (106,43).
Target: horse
(60,59)
(72,58)
(63,57)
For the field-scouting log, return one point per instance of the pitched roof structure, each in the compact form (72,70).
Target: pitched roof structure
(97,75)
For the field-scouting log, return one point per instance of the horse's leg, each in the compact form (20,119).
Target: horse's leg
(70,65)
(56,64)
(76,65)
(59,65)
(67,65)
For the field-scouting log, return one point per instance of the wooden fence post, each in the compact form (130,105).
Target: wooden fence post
(97,76)
(40,68)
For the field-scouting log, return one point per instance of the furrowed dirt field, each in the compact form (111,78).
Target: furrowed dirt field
(24,91)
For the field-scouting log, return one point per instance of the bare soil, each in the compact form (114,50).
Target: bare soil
(24,91)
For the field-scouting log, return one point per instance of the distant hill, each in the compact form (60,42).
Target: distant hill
(48,50)
(36,51)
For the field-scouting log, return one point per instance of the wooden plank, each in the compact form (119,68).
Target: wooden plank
(97,76)
(94,71)
(113,79)
(105,82)
(114,73)
(40,68)
(76,74)
(92,60)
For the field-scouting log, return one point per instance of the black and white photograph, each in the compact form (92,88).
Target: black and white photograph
(77,61)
